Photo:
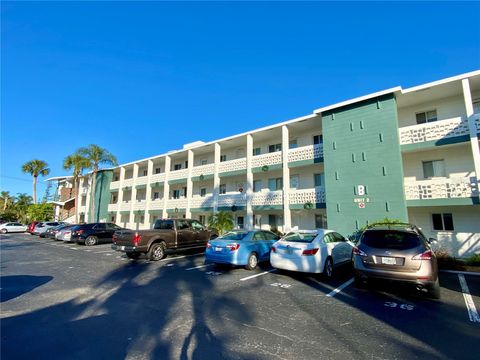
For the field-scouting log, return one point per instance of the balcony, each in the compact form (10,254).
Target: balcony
(201,202)
(203,170)
(156,204)
(178,174)
(139,205)
(128,182)
(157,178)
(142,180)
(268,198)
(305,196)
(450,188)
(436,130)
(303,153)
(267,159)
(228,200)
(125,206)
(112,207)
(114,185)
(177,203)
(233,165)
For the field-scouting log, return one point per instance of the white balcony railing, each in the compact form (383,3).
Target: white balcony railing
(267,198)
(142,180)
(177,203)
(233,165)
(441,188)
(125,206)
(203,170)
(199,201)
(304,196)
(112,207)
(156,204)
(433,131)
(139,205)
(157,178)
(231,199)
(178,174)
(308,152)
(114,185)
(128,182)
(267,159)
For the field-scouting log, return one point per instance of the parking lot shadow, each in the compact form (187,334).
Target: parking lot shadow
(13,286)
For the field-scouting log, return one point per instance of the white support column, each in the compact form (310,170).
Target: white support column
(166,187)
(118,216)
(216,177)
(249,187)
(467,96)
(287,220)
(134,197)
(188,213)
(88,197)
(148,194)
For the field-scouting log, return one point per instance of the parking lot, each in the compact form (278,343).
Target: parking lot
(63,301)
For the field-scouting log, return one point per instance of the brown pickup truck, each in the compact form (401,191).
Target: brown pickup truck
(166,235)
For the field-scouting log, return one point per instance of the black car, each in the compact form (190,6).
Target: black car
(94,233)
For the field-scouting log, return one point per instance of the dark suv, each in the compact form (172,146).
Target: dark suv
(94,233)
(398,252)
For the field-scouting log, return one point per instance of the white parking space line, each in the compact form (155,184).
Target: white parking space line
(179,257)
(103,252)
(472,311)
(340,288)
(256,275)
(198,267)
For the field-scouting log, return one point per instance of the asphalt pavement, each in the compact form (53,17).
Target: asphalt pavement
(68,301)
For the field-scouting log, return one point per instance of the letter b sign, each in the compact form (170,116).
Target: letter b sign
(360,190)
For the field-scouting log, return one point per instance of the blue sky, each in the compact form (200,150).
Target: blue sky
(143,78)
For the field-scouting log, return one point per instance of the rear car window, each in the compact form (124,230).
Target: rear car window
(239,235)
(390,239)
(163,225)
(300,237)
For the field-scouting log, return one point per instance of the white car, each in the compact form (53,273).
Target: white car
(12,227)
(311,251)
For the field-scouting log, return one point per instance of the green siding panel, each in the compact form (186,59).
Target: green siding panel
(268,207)
(302,206)
(203,209)
(259,169)
(205,177)
(177,181)
(361,147)
(102,195)
(229,208)
(155,212)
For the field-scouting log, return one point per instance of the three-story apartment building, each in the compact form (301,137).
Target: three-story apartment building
(407,154)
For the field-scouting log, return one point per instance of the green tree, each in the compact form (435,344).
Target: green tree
(22,203)
(6,199)
(96,156)
(40,212)
(221,221)
(35,168)
(78,163)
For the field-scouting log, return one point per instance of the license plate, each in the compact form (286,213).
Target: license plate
(389,261)
(218,249)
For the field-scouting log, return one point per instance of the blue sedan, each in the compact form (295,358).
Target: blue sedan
(241,247)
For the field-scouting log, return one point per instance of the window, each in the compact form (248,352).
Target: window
(201,219)
(223,189)
(176,194)
(158,170)
(197,226)
(319,179)
(321,221)
(240,153)
(145,172)
(433,168)
(270,236)
(275,184)
(240,222)
(203,192)
(257,221)
(203,162)
(223,158)
(293,144)
(257,151)
(156,195)
(476,106)
(177,167)
(317,139)
(426,116)
(257,185)
(272,221)
(294,181)
(442,222)
(116,177)
(259,236)
(186,164)
(114,199)
(274,148)
(184,191)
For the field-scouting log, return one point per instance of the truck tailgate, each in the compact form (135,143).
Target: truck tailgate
(123,237)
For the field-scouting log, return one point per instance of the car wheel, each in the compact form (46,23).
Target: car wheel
(434,290)
(4,231)
(328,269)
(91,240)
(133,255)
(252,261)
(156,252)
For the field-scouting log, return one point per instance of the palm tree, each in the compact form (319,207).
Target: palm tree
(78,163)
(221,221)
(23,201)
(35,168)
(96,156)
(6,198)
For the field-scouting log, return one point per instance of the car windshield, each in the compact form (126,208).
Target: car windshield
(234,235)
(390,239)
(300,237)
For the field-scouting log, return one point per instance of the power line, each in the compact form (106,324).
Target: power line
(15,178)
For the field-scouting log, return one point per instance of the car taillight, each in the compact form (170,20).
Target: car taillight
(136,239)
(78,232)
(310,251)
(273,249)
(357,251)
(233,247)
(209,246)
(427,255)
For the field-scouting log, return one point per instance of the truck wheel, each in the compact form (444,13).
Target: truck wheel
(252,261)
(133,255)
(91,240)
(156,252)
